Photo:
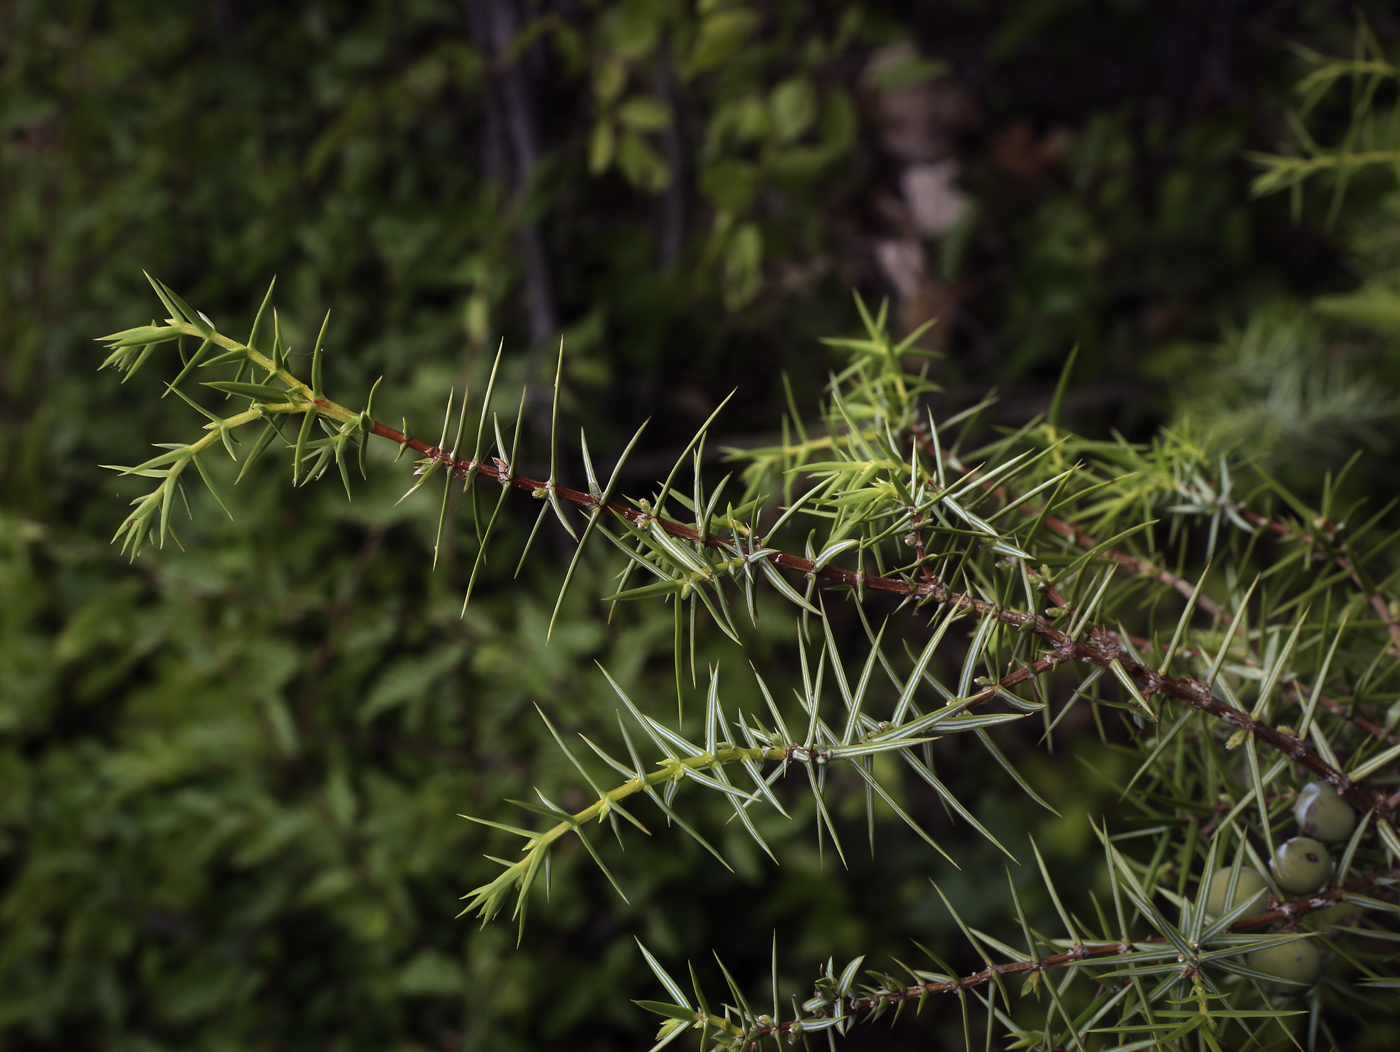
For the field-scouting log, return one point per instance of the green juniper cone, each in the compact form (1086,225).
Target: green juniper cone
(1250,888)
(1301,865)
(994,595)
(1323,815)
(1293,966)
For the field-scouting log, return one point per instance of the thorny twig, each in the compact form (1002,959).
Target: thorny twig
(1144,568)
(1101,649)
(1286,912)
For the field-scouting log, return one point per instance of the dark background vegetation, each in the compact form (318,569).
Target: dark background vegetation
(230,775)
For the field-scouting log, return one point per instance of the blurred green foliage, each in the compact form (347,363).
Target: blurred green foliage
(229,777)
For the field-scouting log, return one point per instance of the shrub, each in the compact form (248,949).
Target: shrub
(943,595)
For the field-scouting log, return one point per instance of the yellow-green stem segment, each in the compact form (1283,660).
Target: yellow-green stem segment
(672,769)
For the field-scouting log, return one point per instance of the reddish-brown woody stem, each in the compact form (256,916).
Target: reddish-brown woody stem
(1283,912)
(1101,650)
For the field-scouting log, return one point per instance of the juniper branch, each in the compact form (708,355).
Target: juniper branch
(488,899)
(1287,912)
(885,505)
(1145,568)
(1103,651)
